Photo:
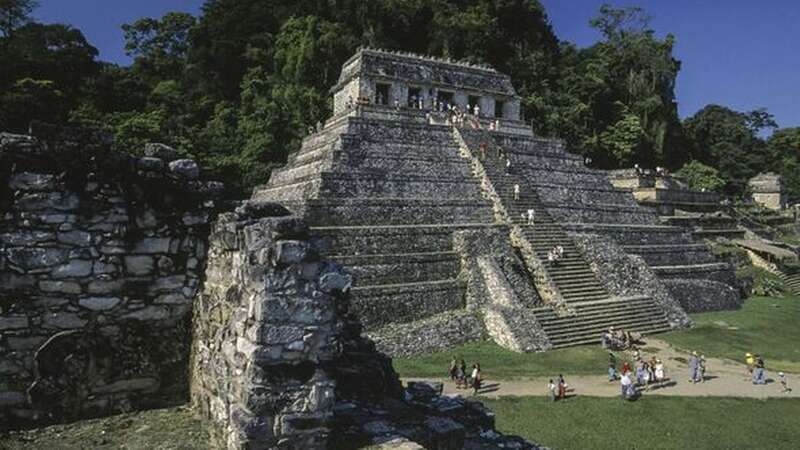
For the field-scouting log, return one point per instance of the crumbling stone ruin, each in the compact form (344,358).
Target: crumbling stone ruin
(767,190)
(279,361)
(101,255)
(394,178)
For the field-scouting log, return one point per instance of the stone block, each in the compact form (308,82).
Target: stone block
(148,313)
(60,287)
(99,303)
(81,238)
(152,245)
(185,168)
(35,257)
(161,151)
(150,164)
(139,265)
(11,398)
(335,282)
(25,238)
(73,269)
(131,385)
(29,181)
(13,322)
(13,282)
(290,252)
(48,200)
(63,320)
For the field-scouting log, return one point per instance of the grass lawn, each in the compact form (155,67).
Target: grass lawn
(500,364)
(765,325)
(651,422)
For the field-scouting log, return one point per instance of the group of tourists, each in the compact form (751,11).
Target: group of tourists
(557,390)
(618,339)
(555,255)
(647,374)
(458,374)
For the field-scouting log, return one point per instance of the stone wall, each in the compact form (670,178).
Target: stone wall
(625,275)
(278,360)
(100,256)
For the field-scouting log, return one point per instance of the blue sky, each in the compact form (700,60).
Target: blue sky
(744,54)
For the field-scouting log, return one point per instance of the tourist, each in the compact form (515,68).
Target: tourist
(483,151)
(750,362)
(530,216)
(516,192)
(562,387)
(702,368)
(612,373)
(551,258)
(694,368)
(497,125)
(476,378)
(477,111)
(319,126)
(462,374)
(605,340)
(559,251)
(454,371)
(659,372)
(587,161)
(759,373)
(625,383)
(508,166)
(551,389)
(782,378)
(626,367)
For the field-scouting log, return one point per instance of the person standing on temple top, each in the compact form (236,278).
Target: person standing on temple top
(530,216)
(477,110)
(516,192)
(508,166)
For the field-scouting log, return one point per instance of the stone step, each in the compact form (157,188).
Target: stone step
(590,308)
(630,322)
(371,270)
(381,305)
(600,314)
(587,340)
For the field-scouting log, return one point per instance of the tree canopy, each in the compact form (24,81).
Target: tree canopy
(237,86)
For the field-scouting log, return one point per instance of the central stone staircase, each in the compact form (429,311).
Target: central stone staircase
(592,309)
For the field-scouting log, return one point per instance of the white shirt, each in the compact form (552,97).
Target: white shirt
(625,380)
(474,373)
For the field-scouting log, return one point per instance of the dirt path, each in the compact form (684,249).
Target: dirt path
(724,378)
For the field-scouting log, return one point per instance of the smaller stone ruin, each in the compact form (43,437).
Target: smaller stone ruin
(767,190)
(279,361)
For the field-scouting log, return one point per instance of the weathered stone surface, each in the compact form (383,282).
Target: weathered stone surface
(13,322)
(34,257)
(60,287)
(11,398)
(139,265)
(63,320)
(94,277)
(29,181)
(99,303)
(161,151)
(185,168)
(81,238)
(76,268)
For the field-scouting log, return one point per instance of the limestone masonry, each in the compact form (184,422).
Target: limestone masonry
(101,255)
(390,187)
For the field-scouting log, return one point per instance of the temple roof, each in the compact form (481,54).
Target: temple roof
(413,68)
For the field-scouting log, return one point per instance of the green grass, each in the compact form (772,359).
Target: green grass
(500,364)
(765,325)
(651,422)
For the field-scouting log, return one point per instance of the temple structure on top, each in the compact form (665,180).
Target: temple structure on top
(414,82)
(420,184)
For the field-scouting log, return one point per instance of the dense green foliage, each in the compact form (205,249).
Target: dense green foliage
(656,422)
(238,86)
(701,177)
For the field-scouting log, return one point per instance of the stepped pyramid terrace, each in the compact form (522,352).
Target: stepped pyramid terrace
(420,207)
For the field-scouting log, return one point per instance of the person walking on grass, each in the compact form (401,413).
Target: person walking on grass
(453,371)
(782,378)
(702,368)
(612,373)
(476,378)
(625,383)
(551,390)
(562,387)
(659,372)
(694,367)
